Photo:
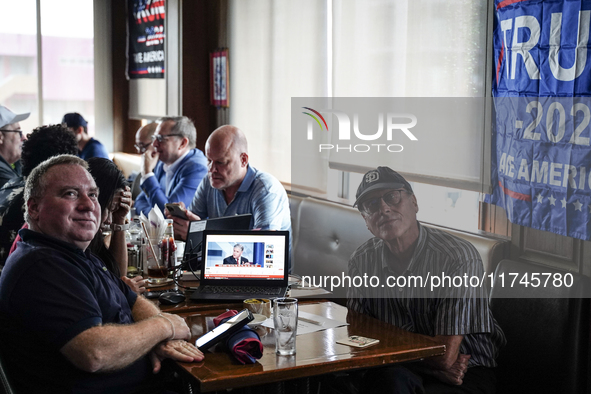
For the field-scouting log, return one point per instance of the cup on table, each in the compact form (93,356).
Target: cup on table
(157,271)
(285,320)
(180,250)
(260,306)
(134,266)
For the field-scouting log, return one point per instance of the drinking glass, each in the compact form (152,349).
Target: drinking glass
(285,320)
(157,270)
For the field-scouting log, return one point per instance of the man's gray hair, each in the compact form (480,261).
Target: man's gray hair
(36,185)
(183,126)
(239,246)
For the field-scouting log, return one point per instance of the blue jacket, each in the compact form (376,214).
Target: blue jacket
(93,148)
(182,187)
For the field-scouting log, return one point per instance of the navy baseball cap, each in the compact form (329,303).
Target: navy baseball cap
(74,120)
(380,178)
(8,117)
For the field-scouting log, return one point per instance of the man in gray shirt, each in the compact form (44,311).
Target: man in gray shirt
(458,317)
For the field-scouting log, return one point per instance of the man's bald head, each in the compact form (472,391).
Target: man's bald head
(228,138)
(227,152)
(143,136)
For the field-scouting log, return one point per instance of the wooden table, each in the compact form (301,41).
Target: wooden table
(317,352)
(187,305)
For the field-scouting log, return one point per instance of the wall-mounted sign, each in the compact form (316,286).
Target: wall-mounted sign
(145,26)
(219,69)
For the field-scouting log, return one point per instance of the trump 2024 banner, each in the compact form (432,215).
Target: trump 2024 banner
(541,167)
(145,25)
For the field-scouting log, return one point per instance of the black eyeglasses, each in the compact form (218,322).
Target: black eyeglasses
(20,132)
(391,199)
(141,148)
(160,137)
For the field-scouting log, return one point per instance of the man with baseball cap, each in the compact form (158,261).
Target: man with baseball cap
(11,143)
(459,317)
(88,146)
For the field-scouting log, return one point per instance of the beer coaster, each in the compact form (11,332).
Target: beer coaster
(258,319)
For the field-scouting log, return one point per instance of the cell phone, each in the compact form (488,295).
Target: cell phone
(224,330)
(176,210)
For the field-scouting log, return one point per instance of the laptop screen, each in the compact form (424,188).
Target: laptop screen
(245,255)
(196,229)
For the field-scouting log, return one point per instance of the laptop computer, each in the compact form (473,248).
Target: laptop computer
(194,236)
(243,264)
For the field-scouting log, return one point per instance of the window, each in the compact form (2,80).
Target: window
(278,50)
(445,206)
(65,76)
(18,60)
(359,48)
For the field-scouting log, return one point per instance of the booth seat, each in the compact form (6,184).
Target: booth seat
(325,234)
(126,162)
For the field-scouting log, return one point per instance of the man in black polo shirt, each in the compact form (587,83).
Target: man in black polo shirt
(459,317)
(67,323)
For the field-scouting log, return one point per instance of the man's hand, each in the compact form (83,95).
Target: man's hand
(175,350)
(455,374)
(149,161)
(137,284)
(181,226)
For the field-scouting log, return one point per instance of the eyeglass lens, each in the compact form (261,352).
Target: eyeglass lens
(160,137)
(20,132)
(142,147)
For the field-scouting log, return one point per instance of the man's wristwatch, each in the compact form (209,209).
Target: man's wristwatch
(119,227)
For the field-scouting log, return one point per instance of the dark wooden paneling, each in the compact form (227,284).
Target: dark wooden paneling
(123,128)
(204,30)
(494,220)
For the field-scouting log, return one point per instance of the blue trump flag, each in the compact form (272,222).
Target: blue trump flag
(541,158)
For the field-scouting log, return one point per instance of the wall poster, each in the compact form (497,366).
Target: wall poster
(145,47)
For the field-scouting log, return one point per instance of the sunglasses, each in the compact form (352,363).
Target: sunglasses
(373,205)
(20,132)
(160,137)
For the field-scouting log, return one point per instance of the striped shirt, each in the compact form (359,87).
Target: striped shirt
(444,310)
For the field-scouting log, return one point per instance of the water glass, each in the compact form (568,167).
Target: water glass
(285,320)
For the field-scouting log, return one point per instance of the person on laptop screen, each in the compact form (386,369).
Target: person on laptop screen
(233,187)
(236,257)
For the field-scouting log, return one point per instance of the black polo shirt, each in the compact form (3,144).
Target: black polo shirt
(51,291)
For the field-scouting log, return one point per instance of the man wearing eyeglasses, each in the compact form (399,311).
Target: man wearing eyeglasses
(459,317)
(143,142)
(143,137)
(11,144)
(173,168)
